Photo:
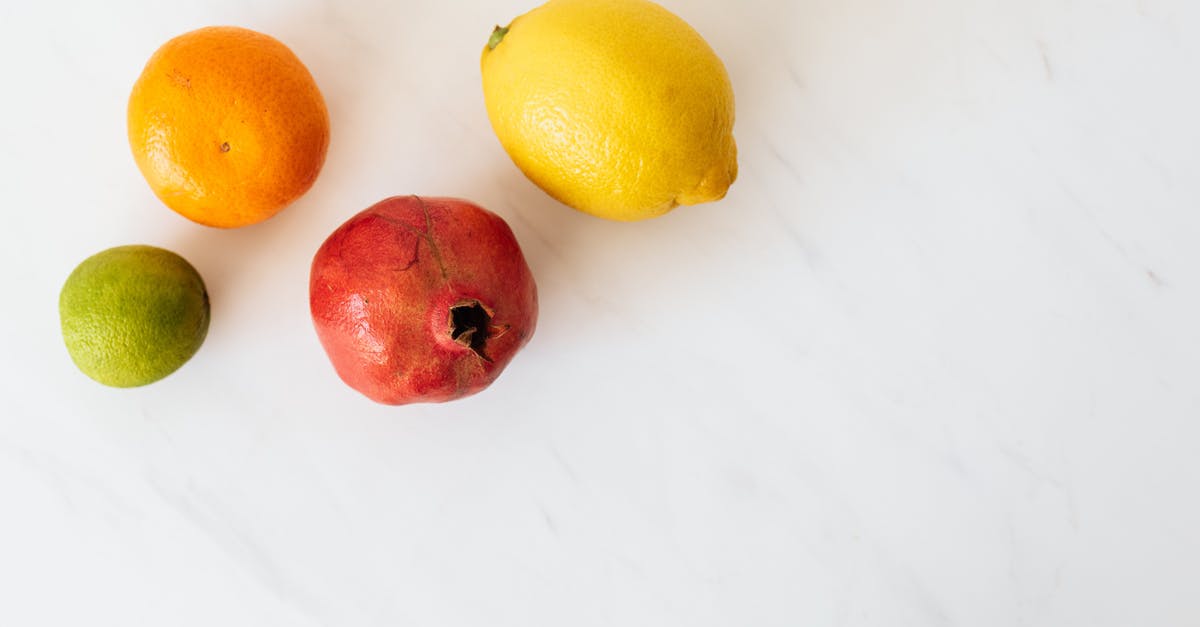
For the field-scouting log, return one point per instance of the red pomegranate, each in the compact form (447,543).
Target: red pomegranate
(422,299)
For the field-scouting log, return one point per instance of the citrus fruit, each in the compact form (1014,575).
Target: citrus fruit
(227,126)
(615,107)
(132,315)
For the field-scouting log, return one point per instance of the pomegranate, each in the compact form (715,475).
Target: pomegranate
(422,299)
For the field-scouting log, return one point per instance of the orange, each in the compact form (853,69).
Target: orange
(227,126)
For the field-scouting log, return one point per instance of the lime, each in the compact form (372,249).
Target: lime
(132,315)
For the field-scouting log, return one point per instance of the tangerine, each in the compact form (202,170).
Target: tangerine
(227,125)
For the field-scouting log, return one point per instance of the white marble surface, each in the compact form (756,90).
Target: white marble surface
(934,361)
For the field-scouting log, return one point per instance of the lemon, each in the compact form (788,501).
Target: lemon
(617,108)
(132,315)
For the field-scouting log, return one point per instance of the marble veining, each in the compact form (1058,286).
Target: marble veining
(933,361)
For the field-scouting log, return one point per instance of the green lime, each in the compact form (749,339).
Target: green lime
(132,315)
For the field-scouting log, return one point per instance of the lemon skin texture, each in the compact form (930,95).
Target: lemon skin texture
(617,108)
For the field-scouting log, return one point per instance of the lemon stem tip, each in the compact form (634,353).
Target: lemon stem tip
(498,34)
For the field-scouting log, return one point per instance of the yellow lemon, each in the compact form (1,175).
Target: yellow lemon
(615,107)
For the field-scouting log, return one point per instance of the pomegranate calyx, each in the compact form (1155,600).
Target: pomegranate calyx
(471,326)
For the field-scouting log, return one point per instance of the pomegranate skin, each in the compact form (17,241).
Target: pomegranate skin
(422,299)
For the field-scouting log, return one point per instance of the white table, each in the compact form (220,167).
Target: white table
(934,361)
